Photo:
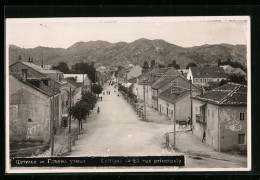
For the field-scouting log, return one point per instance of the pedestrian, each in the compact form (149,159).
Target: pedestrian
(107,92)
(103,93)
(204,136)
(98,109)
(101,98)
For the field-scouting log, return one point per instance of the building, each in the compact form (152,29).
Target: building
(145,81)
(202,75)
(134,71)
(51,78)
(33,106)
(237,71)
(222,115)
(81,79)
(181,99)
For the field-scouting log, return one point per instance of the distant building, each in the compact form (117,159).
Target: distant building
(181,98)
(33,106)
(203,75)
(237,71)
(134,71)
(222,115)
(81,79)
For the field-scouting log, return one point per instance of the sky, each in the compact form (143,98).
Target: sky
(182,31)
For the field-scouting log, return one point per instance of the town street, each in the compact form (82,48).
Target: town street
(118,131)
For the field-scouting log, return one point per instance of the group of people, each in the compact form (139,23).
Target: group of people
(108,93)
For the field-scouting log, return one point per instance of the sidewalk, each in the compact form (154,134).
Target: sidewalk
(192,146)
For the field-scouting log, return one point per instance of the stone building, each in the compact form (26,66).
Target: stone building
(222,115)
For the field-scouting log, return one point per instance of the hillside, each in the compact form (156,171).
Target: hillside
(121,53)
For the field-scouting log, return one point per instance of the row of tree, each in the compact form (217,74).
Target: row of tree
(82,108)
(172,64)
(78,68)
(233,64)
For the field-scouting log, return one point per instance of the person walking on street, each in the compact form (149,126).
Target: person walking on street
(98,110)
(204,136)
(101,98)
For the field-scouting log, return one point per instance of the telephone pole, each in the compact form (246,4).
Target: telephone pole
(52,125)
(173,91)
(70,114)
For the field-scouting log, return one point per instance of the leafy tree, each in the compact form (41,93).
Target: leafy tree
(63,67)
(192,64)
(237,79)
(174,64)
(79,111)
(152,63)
(89,98)
(219,62)
(146,65)
(161,66)
(85,68)
(222,82)
(97,89)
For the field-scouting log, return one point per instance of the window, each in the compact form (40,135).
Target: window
(241,139)
(242,116)
(205,80)
(213,113)
(208,112)
(218,80)
(201,80)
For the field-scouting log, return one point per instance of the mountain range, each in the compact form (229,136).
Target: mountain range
(108,54)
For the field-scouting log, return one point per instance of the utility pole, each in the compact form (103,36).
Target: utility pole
(191,106)
(144,103)
(52,125)
(70,114)
(173,91)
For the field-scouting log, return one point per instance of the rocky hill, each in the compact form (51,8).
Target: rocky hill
(121,53)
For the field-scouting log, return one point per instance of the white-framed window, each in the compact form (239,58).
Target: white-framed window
(241,139)
(242,116)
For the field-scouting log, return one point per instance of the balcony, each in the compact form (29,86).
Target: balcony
(201,119)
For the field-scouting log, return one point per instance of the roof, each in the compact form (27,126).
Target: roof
(77,85)
(40,70)
(47,90)
(167,96)
(208,72)
(228,94)
(153,75)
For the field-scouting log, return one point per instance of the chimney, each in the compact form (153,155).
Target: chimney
(29,60)
(20,58)
(24,74)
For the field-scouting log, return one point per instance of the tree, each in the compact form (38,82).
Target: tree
(85,68)
(237,79)
(63,67)
(79,111)
(146,65)
(222,82)
(152,63)
(219,62)
(161,66)
(174,64)
(192,64)
(89,98)
(97,89)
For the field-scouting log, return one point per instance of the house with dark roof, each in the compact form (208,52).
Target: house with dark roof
(52,78)
(33,106)
(237,71)
(164,83)
(222,115)
(180,100)
(145,81)
(203,75)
